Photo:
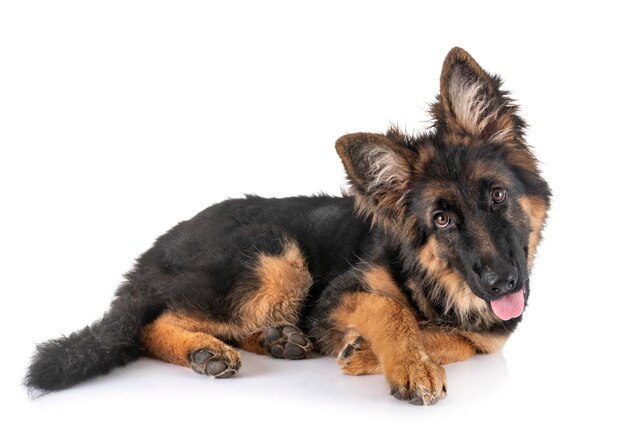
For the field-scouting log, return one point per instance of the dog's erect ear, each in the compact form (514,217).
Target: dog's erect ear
(471,103)
(375,165)
(378,169)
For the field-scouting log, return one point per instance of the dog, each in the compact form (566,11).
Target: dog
(424,261)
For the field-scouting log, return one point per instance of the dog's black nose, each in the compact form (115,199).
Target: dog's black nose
(499,282)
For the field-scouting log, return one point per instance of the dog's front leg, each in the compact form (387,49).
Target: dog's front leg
(390,328)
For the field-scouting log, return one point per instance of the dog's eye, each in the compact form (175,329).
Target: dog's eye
(441,219)
(498,195)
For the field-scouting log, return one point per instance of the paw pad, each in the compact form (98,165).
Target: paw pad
(207,362)
(286,342)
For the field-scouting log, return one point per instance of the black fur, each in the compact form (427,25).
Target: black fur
(96,349)
(194,267)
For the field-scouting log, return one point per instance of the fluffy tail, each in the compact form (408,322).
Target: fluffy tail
(94,350)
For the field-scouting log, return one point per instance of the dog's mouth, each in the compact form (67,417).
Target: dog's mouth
(509,306)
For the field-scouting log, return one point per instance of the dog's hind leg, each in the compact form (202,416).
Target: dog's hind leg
(268,307)
(183,340)
(262,305)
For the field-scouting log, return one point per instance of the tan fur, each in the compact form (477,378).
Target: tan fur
(486,343)
(173,336)
(252,344)
(281,285)
(536,210)
(447,347)
(379,319)
(378,280)
(450,346)
(391,329)
(200,323)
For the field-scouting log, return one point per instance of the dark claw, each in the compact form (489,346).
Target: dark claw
(226,374)
(347,351)
(351,347)
(417,401)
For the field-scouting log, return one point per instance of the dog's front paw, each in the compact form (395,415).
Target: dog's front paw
(419,381)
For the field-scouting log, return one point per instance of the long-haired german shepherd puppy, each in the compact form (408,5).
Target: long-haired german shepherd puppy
(424,263)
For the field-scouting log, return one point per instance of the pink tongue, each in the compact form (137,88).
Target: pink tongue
(509,306)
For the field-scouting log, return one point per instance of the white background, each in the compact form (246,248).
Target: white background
(118,119)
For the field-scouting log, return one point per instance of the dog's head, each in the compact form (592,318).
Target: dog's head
(466,199)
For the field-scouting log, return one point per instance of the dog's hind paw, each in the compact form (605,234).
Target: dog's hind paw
(214,365)
(286,342)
